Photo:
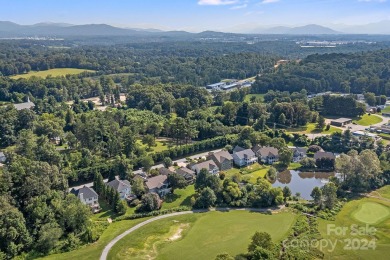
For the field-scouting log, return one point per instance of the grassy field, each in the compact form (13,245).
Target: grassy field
(180,197)
(93,251)
(250,173)
(310,128)
(258,96)
(161,145)
(200,236)
(367,120)
(361,212)
(52,72)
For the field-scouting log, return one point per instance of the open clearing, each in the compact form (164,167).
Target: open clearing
(371,213)
(367,120)
(347,217)
(52,72)
(202,235)
(310,128)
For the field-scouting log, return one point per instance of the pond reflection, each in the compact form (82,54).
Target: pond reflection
(302,182)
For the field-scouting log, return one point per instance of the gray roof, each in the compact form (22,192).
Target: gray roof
(319,155)
(221,156)
(156,182)
(208,165)
(119,185)
(268,151)
(25,105)
(342,120)
(299,149)
(186,173)
(256,148)
(245,154)
(238,149)
(164,171)
(86,191)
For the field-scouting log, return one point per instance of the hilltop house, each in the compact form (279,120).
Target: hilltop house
(158,184)
(88,196)
(123,187)
(244,157)
(209,165)
(267,155)
(298,153)
(189,175)
(223,159)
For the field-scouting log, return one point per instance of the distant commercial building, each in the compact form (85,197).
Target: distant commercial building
(341,122)
(362,134)
(216,86)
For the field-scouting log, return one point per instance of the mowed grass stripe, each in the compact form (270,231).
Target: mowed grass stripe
(206,235)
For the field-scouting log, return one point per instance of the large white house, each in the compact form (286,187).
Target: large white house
(123,187)
(88,197)
(244,157)
(209,165)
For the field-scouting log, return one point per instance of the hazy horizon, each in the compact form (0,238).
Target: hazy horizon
(199,15)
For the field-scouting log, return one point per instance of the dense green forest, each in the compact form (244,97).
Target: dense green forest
(149,93)
(346,73)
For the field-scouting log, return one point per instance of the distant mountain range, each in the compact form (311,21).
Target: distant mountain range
(307,29)
(48,29)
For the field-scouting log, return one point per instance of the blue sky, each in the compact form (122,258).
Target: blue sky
(196,15)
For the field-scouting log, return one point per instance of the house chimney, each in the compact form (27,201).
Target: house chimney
(81,197)
(28,99)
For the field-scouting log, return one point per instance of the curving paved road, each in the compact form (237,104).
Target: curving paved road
(108,247)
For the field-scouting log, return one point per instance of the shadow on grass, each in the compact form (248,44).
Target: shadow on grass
(186,201)
(171,197)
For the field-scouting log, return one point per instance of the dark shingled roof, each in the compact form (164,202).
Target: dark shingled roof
(119,184)
(221,156)
(86,191)
(156,182)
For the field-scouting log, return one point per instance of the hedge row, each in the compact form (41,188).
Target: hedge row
(153,213)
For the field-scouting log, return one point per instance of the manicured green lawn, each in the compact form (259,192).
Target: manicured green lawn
(200,236)
(250,173)
(258,96)
(371,212)
(310,128)
(384,191)
(180,197)
(367,120)
(347,217)
(52,72)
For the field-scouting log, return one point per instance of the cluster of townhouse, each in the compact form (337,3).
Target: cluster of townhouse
(213,163)
(241,157)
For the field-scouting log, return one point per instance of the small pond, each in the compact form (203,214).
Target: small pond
(302,182)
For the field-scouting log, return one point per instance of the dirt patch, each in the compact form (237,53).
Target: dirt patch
(179,231)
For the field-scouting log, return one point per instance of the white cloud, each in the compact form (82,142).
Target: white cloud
(239,7)
(269,1)
(217,2)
